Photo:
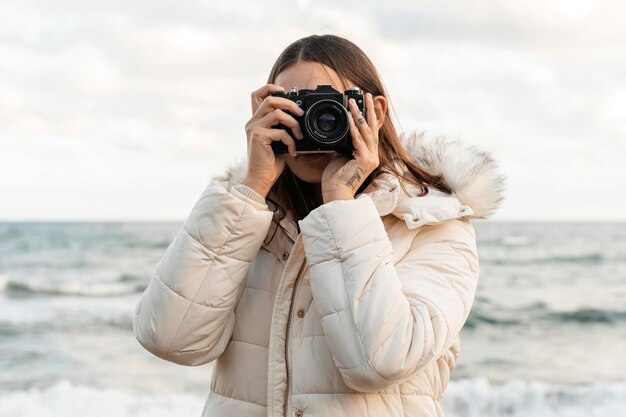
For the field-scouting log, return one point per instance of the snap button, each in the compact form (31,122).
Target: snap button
(415,219)
(285,255)
(299,413)
(300,313)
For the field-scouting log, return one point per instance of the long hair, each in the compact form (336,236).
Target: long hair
(292,195)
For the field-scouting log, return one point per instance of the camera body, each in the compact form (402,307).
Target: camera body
(325,123)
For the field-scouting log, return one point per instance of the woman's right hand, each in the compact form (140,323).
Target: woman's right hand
(264,167)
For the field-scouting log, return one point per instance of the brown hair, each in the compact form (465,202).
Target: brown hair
(292,195)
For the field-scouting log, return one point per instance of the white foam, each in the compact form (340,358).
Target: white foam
(463,398)
(515,240)
(66,311)
(516,398)
(65,399)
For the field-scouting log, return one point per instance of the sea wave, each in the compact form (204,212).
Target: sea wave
(583,315)
(124,285)
(593,258)
(517,398)
(463,398)
(477,318)
(16,328)
(588,315)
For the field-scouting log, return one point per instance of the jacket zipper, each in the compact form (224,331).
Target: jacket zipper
(293,296)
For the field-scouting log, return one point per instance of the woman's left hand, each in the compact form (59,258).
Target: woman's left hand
(343,176)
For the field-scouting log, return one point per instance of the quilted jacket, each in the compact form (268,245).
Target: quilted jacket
(357,315)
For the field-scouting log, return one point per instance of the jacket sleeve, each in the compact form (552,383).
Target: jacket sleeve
(384,322)
(186,314)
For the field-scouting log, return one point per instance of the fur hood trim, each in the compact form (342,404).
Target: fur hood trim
(471,173)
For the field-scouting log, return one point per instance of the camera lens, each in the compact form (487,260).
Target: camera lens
(327,122)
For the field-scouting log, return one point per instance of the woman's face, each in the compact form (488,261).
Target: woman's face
(309,167)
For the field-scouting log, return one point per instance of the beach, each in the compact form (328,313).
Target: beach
(546,335)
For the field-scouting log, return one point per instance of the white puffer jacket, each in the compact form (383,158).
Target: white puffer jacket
(358,315)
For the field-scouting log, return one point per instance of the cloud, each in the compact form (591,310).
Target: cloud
(134,106)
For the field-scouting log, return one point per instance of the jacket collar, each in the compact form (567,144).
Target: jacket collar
(472,175)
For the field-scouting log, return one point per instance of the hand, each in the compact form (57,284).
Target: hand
(264,167)
(343,176)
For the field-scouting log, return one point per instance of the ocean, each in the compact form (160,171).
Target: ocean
(546,336)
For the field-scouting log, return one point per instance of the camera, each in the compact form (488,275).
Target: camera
(325,123)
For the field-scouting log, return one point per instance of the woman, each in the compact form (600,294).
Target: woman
(325,285)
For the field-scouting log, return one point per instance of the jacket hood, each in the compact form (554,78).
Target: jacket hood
(471,173)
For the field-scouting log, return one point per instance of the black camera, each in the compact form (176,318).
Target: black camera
(325,123)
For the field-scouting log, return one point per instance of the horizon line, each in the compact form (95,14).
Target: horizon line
(9,221)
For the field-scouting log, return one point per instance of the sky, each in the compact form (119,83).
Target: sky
(118,110)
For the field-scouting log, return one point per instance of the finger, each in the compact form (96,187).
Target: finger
(357,140)
(372,121)
(360,122)
(259,95)
(278,116)
(271,103)
(364,128)
(280,135)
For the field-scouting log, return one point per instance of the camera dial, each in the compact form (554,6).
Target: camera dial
(356,94)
